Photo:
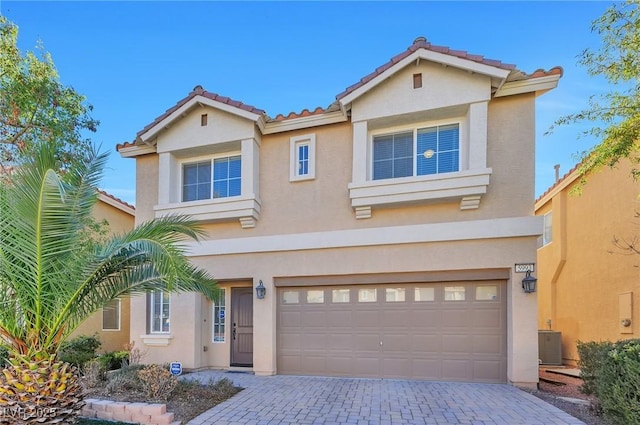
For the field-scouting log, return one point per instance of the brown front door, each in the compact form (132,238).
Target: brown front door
(241,326)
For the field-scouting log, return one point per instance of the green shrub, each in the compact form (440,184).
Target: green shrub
(113,360)
(618,383)
(592,356)
(80,350)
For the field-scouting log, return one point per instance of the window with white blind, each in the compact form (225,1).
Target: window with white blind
(417,152)
(547,236)
(218,177)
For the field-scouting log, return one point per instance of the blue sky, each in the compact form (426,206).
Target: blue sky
(134,60)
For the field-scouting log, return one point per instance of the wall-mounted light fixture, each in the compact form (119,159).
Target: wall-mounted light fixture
(260,290)
(529,283)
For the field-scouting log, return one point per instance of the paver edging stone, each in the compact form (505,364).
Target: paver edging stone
(140,413)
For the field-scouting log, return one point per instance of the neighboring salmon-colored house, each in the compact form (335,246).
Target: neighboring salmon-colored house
(111,324)
(589,288)
(376,237)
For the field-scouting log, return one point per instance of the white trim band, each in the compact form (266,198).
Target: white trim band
(376,236)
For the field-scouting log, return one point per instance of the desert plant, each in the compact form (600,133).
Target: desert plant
(157,381)
(54,274)
(135,354)
(79,350)
(42,392)
(125,379)
(94,373)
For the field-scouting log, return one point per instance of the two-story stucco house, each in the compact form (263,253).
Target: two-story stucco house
(384,228)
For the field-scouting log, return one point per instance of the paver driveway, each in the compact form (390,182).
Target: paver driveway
(270,400)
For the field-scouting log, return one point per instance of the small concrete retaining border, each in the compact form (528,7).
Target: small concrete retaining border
(139,413)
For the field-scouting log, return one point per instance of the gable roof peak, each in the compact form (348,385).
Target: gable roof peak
(420,40)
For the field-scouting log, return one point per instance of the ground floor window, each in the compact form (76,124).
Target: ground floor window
(111,316)
(219,316)
(160,305)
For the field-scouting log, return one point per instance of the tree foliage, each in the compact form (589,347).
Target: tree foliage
(36,107)
(615,114)
(53,275)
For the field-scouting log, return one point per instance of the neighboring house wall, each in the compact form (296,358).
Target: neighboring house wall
(120,218)
(587,286)
(338,228)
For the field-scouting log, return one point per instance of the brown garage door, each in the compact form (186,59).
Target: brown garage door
(453,331)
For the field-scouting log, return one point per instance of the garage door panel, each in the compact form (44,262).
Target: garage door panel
(456,370)
(339,342)
(488,318)
(487,344)
(340,319)
(368,367)
(488,370)
(396,318)
(441,331)
(364,342)
(456,344)
(313,341)
(456,317)
(313,319)
(366,318)
(425,344)
(396,368)
(342,366)
(397,343)
(425,317)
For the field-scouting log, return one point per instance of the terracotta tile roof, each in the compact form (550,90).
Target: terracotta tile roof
(335,106)
(199,91)
(560,181)
(418,43)
(422,43)
(118,200)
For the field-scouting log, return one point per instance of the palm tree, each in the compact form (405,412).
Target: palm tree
(54,274)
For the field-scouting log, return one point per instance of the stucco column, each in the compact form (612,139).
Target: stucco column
(522,335)
(477,122)
(250,151)
(359,152)
(264,329)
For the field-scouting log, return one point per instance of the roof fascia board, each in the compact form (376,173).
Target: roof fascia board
(305,122)
(196,100)
(428,55)
(539,85)
(557,188)
(110,201)
(136,150)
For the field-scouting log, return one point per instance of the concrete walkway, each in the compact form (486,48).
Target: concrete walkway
(300,400)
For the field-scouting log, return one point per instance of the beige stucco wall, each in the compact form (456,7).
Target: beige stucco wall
(320,206)
(119,222)
(581,273)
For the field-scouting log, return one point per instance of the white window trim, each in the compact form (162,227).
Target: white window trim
(151,311)
(414,127)
(119,318)
(294,142)
(211,159)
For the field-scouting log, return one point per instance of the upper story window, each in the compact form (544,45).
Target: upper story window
(547,234)
(302,157)
(418,152)
(218,177)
